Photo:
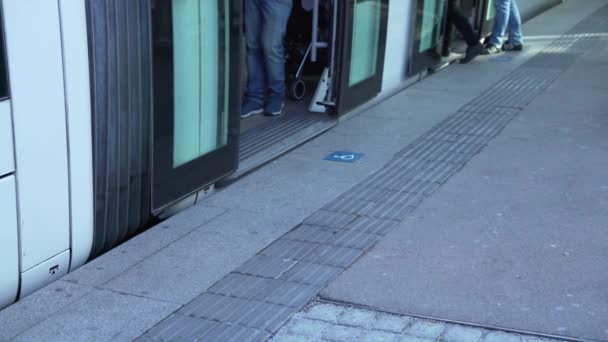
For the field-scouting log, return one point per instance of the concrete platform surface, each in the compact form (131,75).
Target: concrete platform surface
(449,214)
(519,238)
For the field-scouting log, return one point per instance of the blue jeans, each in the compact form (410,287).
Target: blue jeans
(265,26)
(508,21)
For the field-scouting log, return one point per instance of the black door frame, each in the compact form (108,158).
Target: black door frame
(485,26)
(351,97)
(422,60)
(170,184)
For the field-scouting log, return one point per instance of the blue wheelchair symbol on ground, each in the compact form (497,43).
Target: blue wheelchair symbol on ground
(344,157)
(501,59)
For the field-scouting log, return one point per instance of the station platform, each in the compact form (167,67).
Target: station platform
(472,206)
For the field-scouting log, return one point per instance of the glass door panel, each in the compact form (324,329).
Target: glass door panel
(363,43)
(487,15)
(196,60)
(200,102)
(366,36)
(429,19)
(491,10)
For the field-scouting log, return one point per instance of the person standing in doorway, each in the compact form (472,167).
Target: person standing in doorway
(265,26)
(507,21)
(460,21)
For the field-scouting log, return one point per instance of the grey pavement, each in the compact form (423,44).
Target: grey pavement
(336,322)
(440,219)
(517,239)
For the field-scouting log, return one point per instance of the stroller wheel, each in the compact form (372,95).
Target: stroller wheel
(297,90)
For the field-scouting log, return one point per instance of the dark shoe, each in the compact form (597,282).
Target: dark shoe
(275,106)
(250,108)
(472,52)
(491,50)
(512,47)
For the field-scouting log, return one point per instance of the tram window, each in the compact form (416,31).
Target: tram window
(3,73)
(491,11)
(200,52)
(431,23)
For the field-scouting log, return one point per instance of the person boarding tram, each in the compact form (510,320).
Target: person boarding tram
(460,21)
(507,21)
(265,27)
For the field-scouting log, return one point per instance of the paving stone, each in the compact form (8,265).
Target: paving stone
(452,158)
(423,148)
(330,322)
(179,328)
(212,306)
(426,329)
(353,239)
(330,219)
(389,210)
(371,225)
(143,246)
(189,266)
(288,249)
(363,193)
(100,315)
(242,286)
(436,134)
(312,274)
(343,333)
(334,256)
(458,333)
(290,294)
(413,339)
(357,317)
(308,233)
(498,336)
(309,328)
(347,205)
(38,306)
(437,172)
(247,312)
(421,187)
(234,333)
(429,150)
(538,339)
(290,338)
(325,312)
(379,336)
(266,266)
(391,323)
(403,198)
(400,167)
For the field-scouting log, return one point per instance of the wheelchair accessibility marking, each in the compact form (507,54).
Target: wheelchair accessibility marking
(501,59)
(344,156)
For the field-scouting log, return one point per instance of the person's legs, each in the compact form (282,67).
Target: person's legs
(501,21)
(515,33)
(460,21)
(275,16)
(253,102)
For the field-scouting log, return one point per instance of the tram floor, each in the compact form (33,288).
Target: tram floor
(265,138)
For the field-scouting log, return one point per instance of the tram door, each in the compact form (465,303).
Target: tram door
(487,14)
(429,20)
(9,254)
(363,26)
(196,64)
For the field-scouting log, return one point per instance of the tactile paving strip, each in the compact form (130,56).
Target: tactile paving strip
(252,302)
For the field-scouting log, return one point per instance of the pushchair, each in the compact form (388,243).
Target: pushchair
(299,42)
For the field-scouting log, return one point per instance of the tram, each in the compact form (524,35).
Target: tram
(116,114)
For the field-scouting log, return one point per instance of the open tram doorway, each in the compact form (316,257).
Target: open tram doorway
(309,45)
(334,60)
